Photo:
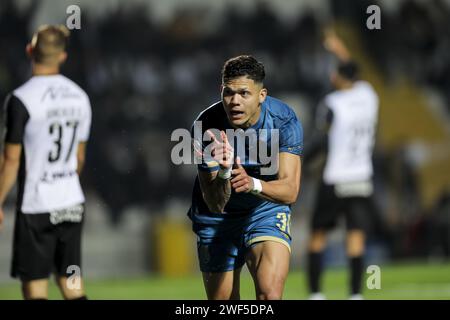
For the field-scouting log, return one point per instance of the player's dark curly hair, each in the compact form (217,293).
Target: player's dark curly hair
(244,65)
(348,70)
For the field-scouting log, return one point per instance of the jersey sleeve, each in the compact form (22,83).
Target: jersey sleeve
(85,125)
(204,163)
(291,136)
(15,118)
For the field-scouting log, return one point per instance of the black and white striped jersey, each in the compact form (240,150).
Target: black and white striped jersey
(48,115)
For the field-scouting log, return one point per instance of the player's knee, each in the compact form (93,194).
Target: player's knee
(355,249)
(271,288)
(317,242)
(355,243)
(270,294)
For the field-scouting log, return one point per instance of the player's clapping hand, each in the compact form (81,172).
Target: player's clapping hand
(221,151)
(241,181)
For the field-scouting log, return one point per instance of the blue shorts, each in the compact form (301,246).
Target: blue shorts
(223,240)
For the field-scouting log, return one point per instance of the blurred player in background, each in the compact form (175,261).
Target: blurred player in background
(47,126)
(347,121)
(242,215)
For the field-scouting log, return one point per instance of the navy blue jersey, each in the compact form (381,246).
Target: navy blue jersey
(274,115)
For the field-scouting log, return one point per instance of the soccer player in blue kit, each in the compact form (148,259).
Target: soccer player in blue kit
(241,212)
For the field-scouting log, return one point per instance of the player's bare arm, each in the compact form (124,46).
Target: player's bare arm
(284,190)
(216,188)
(81,156)
(335,45)
(8,172)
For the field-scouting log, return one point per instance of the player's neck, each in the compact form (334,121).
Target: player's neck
(346,85)
(44,70)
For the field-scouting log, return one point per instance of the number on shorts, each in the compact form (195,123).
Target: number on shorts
(285,222)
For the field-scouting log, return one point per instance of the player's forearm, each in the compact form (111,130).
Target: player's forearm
(342,54)
(8,176)
(81,156)
(216,194)
(280,191)
(80,166)
(336,46)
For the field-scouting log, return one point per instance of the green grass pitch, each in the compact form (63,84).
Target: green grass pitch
(399,281)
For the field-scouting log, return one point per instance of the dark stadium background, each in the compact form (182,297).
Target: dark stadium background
(149,67)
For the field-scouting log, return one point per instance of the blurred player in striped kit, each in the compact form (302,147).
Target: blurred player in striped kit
(346,122)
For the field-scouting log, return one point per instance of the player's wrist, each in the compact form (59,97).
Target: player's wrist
(224,173)
(257,186)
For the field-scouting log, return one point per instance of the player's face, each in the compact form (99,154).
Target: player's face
(242,99)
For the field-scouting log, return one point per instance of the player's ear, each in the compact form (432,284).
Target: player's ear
(262,95)
(62,57)
(29,50)
(335,79)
